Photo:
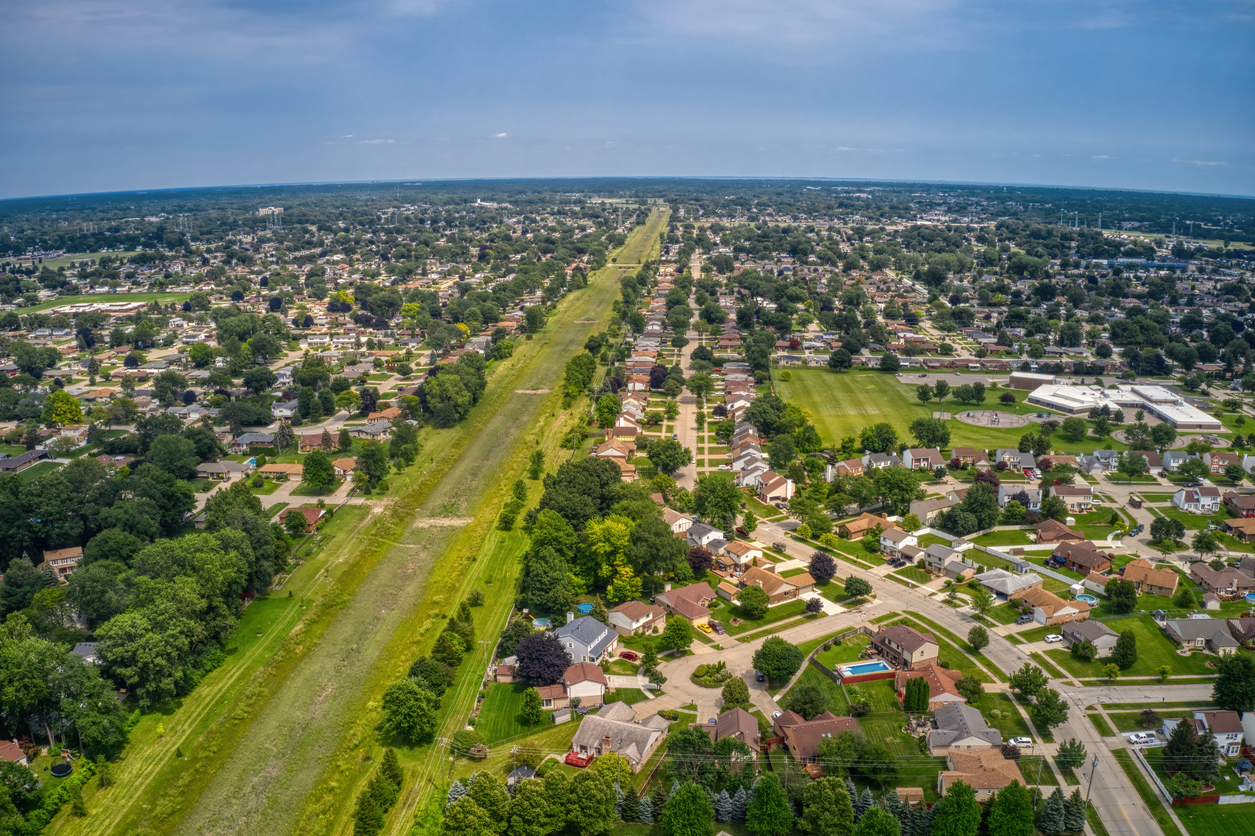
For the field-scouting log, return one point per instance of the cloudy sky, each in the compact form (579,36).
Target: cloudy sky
(105,95)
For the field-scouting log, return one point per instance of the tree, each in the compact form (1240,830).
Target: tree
(889,362)
(174,454)
(688,812)
(931,432)
(735,693)
(61,408)
(607,410)
(716,499)
(1235,686)
(372,462)
(592,803)
(668,455)
(971,690)
(753,602)
(877,822)
(823,567)
(981,599)
(1122,595)
(410,711)
(464,817)
(1084,651)
(957,813)
(1181,750)
(344,441)
(1205,543)
(1112,672)
(1071,754)
(1028,681)
(879,438)
(806,699)
(769,813)
(840,360)
(915,699)
(1054,814)
(778,660)
(318,473)
(1125,653)
(826,808)
(856,587)
(533,710)
(294,523)
(978,638)
(1048,709)
(1074,429)
(542,659)
(677,635)
(529,809)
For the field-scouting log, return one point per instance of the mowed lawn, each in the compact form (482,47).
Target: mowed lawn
(1215,819)
(499,714)
(843,403)
(1153,649)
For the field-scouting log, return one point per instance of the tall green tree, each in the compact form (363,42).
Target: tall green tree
(688,813)
(826,808)
(878,822)
(1125,652)
(1235,686)
(592,803)
(529,809)
(957,813)
(769,813)
(1011,811)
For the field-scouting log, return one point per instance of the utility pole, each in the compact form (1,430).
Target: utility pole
(1093,769)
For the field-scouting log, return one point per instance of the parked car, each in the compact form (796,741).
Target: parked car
(1213,527)
(1021,742)
(1097,503)
(717,627)
(778,546)
(759,676)
(1142,738)
(1024,619)
(630,655)
(725,467)
(1054,637)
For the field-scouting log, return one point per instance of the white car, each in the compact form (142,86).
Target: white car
(1054,637)
(1020,742)
(725,467)
(1097,503)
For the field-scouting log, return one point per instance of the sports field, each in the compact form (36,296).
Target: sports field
(842,404)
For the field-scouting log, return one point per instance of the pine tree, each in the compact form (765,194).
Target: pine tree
(894,805)
(864,803)
(619,798)
(456,791)
(367,816)
(1074,812)
(659,800)
(1053,814)
(921,820)
(645,811)
(740,804)
(1181,750)
(723,807)
(391,767)
(630,809)
(675,786)
(853,791)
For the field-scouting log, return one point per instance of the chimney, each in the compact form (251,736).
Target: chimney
(570,616)
(666,587)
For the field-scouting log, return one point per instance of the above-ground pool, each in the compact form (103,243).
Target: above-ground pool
(863,667)
(1089,599)
(1250,596)
(585,609)
(541,624)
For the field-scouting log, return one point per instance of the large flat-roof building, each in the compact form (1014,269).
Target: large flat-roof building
(1156,400)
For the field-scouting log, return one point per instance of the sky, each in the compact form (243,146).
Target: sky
(114,95)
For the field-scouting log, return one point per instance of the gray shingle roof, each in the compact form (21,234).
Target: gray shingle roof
(956,721)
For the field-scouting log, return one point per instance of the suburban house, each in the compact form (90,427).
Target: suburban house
(688,602)
(10,752)
(941,685)
(1095,632)
(1225,726)
(1210,634)
(970,456)
(1242,528)
(281,472)
(986,771)
(801,736)
(742,553)
(893,540)
(1226,583)
(1014,459)
(773,487)
(586,682)
(678,523)
(344,467)
(700,534)
(389,415)
(960,726)
(587,639)
(1204,500)
(1173,459)
(636,618)
(1077,499)
(1081,557)
(930,508)
(18,463)
(1243,629)
(1053,531)
(922,458)
(944,560)
(64,561)
(1241,504)
(224,470)
(312,516)
(905,646)
(736,723)
(1217,461)
(1004,585)
(1148,579)
(863,523)
(614,729)
(1050,609)
(1030,498)
(778,589)
(246,441)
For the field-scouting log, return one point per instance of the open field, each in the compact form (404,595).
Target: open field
(163,298)
(304,733)
(844,403)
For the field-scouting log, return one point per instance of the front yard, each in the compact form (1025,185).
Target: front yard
(1154,649)
(1011,537)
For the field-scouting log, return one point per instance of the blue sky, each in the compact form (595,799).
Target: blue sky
(103,95)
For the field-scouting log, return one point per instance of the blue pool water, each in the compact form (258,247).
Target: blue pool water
(1089,599)
(1250,596)
(585,609)
(863,667)
(541,623)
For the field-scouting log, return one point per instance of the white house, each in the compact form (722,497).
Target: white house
(893,540)
(678,522)
(1204,500)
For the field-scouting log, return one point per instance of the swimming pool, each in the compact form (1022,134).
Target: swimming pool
(1250,596)
(863,667)
(541,624)
(1089,599)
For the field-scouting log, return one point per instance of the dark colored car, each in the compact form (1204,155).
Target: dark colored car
(717,627)
(758,676)
(1024,619)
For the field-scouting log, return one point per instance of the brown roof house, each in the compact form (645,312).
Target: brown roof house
(688,602)
(941,685)
(635,617)
(801,736)
(1050,609)
(1095,632)
(1082,557)
(778,589)
(64,561)
(862,524)
(986,771)
(1243,630)
(1053,531)
(12,753)
(1149,579)
(1226,583)
(906,646)
(736,723)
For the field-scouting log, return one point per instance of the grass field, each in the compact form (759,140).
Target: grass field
(844,403)
(1216,819)
(1004,538)
(303,736)
(499,712)
(163,298)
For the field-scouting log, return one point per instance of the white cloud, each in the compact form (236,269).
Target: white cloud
(501,135)
(844,148)
(1199,162)
(1100,157)
(791,21)
(376,142)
